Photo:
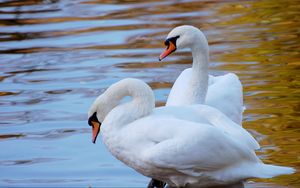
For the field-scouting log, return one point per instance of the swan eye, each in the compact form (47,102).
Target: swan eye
(172,39)
(167,42)
(93,118)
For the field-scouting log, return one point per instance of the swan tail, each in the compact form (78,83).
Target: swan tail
(269,171)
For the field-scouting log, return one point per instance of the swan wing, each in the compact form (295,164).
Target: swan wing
(212,116)
(192,147)
(226,94)
(225,124)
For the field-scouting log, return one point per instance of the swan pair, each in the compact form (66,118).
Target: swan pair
(196,140)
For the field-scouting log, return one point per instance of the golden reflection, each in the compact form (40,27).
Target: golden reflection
(271,83)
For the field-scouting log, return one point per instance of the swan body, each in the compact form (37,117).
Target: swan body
(209,115)
(194,85)
(169,144)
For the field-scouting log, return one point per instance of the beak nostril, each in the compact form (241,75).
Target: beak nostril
(171,47)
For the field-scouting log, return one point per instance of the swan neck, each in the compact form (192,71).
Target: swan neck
(141,104)
(200,60)
(200,73)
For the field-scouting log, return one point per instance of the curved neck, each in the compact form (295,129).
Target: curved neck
(199,81)
(141,104)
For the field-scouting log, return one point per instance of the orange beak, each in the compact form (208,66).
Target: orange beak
(96,130)
(171,48)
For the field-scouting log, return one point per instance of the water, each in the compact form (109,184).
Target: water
(57,56)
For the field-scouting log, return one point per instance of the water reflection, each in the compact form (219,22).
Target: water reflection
(56,56)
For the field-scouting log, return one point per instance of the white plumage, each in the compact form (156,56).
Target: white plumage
(174,144)
(195,86)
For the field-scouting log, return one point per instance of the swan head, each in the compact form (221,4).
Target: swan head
(95,117)
(142,97)
(97,112)
(184,36)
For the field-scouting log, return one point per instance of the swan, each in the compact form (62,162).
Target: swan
(159,143)
(194,85)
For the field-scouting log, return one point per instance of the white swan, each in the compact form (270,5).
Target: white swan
(159,144)
(194,85)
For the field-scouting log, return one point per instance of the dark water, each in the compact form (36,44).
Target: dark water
(57,56)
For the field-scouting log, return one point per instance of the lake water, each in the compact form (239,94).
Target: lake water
(57,56)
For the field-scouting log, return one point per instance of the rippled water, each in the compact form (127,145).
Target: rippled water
(57,56)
